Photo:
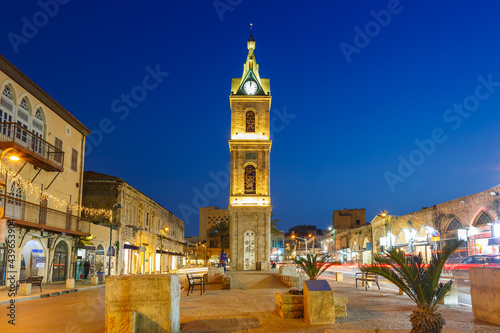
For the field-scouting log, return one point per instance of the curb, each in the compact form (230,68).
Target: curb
(50,294)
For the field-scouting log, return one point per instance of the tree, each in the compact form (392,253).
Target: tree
(221,231)
(313,266)
(419,281)
(274,224)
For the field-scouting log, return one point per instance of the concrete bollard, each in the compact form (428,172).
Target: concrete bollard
(142,303)
(485,293)
(70,283)
(94,280)
(339,276)
(24,289)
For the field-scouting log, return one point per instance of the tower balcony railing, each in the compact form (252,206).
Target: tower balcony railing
(30,147)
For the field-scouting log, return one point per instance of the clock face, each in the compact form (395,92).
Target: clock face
(250,87)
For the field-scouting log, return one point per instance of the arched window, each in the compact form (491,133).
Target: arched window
(14,206)
(250,121)
(250,179)
(454,225)
(23,119)
(484,219)
(6,111)
(37,125)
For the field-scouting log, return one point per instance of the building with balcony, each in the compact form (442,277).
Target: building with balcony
(149,237)
(40,192)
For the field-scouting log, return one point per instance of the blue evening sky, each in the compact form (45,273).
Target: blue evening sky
(354,101)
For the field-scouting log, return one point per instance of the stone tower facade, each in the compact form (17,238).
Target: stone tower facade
(250,147)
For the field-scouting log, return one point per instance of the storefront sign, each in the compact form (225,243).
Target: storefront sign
(495,229)
(37,251)
(462,234)
(40,262)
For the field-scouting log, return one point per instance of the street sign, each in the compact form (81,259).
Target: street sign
(435,236)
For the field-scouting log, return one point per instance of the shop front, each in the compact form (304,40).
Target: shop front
(60,262)
(85,259)
(3,263)
(130,259)
(33,260)
(110,254)
(484,243)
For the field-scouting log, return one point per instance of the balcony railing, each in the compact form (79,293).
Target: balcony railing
(32,148)
(21,210)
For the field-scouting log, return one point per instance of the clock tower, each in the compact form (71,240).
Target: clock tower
(250,147)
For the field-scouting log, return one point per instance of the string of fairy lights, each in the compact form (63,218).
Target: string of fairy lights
(34,190)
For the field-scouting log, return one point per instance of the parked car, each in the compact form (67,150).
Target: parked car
(460,271)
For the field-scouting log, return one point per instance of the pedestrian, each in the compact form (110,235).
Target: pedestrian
(86,269)
(223,260)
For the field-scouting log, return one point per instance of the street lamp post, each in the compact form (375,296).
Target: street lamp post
(300,238)
(111,237)
(161,243)
(384,214)
(468,225)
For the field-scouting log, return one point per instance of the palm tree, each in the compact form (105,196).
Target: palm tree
(221,231)
(313,266)
(274,223)
(419,281)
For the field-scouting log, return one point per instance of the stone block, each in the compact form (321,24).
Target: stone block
(70,283)
(142,303)
(339,276)
(289,306)
(289,271)
(451,297)
(215,274)
(319,306)
(340,306)
(94,280)
(226,281)
(24,289)
(485,293)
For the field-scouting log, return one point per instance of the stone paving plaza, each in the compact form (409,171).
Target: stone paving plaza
(252,309)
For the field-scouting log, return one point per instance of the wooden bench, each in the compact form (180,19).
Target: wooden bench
(34,280)
(195,281)
(365,278)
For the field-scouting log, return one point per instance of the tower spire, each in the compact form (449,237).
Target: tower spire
(251,63)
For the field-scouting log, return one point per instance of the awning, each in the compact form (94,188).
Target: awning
(85,244)
(493,241)
(130,247)
(171,253)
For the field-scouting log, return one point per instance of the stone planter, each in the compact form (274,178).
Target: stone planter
(290,306)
